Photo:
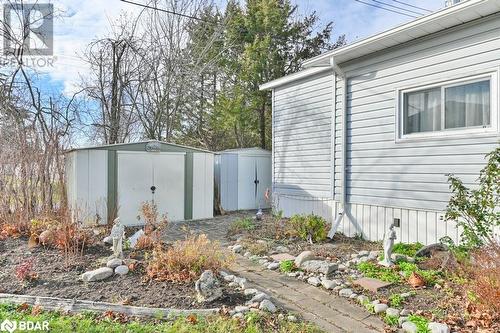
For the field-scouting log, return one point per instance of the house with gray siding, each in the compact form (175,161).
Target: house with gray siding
(365,134)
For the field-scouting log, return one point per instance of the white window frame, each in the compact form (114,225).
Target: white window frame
(452,132)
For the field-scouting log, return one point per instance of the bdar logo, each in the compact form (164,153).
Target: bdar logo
(8,325)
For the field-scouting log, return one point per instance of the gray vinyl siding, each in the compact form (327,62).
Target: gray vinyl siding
(381,171)
(302,137)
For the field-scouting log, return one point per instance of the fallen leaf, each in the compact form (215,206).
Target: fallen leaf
(36,310)
(192,319)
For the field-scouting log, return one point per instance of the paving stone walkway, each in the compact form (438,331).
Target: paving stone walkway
(329,312)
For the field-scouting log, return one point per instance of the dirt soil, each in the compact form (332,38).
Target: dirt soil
(58,278)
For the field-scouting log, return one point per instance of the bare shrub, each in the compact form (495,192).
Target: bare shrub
(186,259)
(154,226)
(484,270)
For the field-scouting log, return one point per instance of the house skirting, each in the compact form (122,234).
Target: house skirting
(372,221)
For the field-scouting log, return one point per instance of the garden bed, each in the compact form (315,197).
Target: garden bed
(444,299)
(56,277)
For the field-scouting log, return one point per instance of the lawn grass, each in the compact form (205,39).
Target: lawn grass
(94,323)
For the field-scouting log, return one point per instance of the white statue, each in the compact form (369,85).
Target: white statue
(117,234)
(389,238)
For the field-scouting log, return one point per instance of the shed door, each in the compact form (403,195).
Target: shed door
(254,179)
(146,176)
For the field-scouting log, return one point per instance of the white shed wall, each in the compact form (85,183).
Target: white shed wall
(203,185)
(88,184)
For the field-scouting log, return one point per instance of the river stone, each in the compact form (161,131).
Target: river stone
(392,312)
(107,240)
(282,249)
(121,270)
(401,320)
(438,327)
(267,305)
(250,291)
(345,292)
(207,287)
(319,266)
(259,297)
(405,312)
(237,248)
(303,257)
(328,284)
(241,308)
(97,274)
(229,277)
(314,281)
(113,263)
(409,327)
(378,308)
(273,266)
(362,299)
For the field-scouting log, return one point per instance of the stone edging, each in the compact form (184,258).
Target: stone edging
(76,306)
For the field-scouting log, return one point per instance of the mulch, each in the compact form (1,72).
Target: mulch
(59,277)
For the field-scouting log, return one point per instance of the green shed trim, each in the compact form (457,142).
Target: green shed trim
(112,184)
(188,186)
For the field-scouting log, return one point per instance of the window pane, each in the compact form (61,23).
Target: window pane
(467,105)
(422,111)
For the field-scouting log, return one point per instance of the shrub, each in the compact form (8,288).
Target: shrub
(420,322)
(484,284)
(311,227)
(407,249)
(240,225)
(186,259)
(154,226)
(24,271)
(258,248)
(476,211)
(286,266)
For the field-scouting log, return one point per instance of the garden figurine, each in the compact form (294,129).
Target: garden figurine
(117,234)
(389,238)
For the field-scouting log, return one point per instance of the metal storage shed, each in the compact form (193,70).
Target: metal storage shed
(104,180)
(243,176)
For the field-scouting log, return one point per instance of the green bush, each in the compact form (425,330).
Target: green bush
(430,276)
(311,227)
(420,322)
(378,272)
(476,210)
(286,266)
(246,224)
(407,249)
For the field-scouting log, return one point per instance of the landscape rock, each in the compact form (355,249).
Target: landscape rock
(363,253)
(259,297)
(267,305)
(392,312)
(401,320)
(207,287)
(303,257)
(319,266)
(238,315)
(46,237)
(438,327)
(240,281)
(121,270)
(113,263)
(241,308)
(405,312)
(229,277)
(247,254)
(250,291)
(328,284)
(107,240)
(378,308)
(353,296)
(263,262)
(135,237)
(237,248)
(428,250)
(314,281)
(281,316)
(233,284)
(292,318)
(273,266)
(362,299)
(98,274)
(345,292)
(409,327)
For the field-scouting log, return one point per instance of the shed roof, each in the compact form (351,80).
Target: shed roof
(117,145)
(256,150)
(445,18)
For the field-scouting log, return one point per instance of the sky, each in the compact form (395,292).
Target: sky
(85,20)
